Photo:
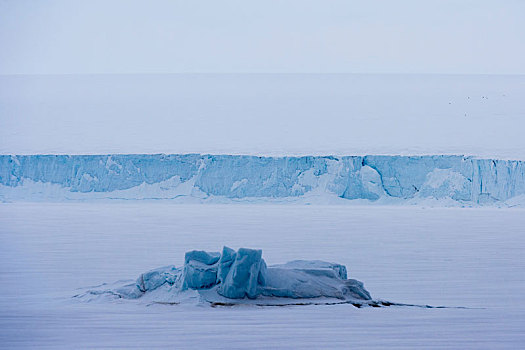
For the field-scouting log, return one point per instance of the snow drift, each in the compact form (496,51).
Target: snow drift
(194,177)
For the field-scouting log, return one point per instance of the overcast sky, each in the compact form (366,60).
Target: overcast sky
(169,36)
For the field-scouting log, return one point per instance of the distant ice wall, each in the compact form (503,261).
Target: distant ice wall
(373,178)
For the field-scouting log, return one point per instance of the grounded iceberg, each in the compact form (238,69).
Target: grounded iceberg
(242,277)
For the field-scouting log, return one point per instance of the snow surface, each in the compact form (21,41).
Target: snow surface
(264,114)
(439,256)
(446,180)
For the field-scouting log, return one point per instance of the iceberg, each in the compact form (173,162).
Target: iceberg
(232,178)
(242,277)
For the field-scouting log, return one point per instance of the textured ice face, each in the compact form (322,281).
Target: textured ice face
(201,177)
(227,258)
(307,282)
(155,278)
(339,269)
(243,276)
(200,269)
(207,258)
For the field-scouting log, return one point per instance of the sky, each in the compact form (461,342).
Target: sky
(170,36)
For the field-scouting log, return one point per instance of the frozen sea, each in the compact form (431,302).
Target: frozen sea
(455,257)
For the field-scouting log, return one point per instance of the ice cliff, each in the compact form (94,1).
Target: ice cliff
(381,179)
(242,277)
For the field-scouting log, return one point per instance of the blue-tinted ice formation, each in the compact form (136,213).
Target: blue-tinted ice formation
(224,177)
(242,276)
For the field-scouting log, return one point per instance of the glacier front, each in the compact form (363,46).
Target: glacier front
(231,178)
